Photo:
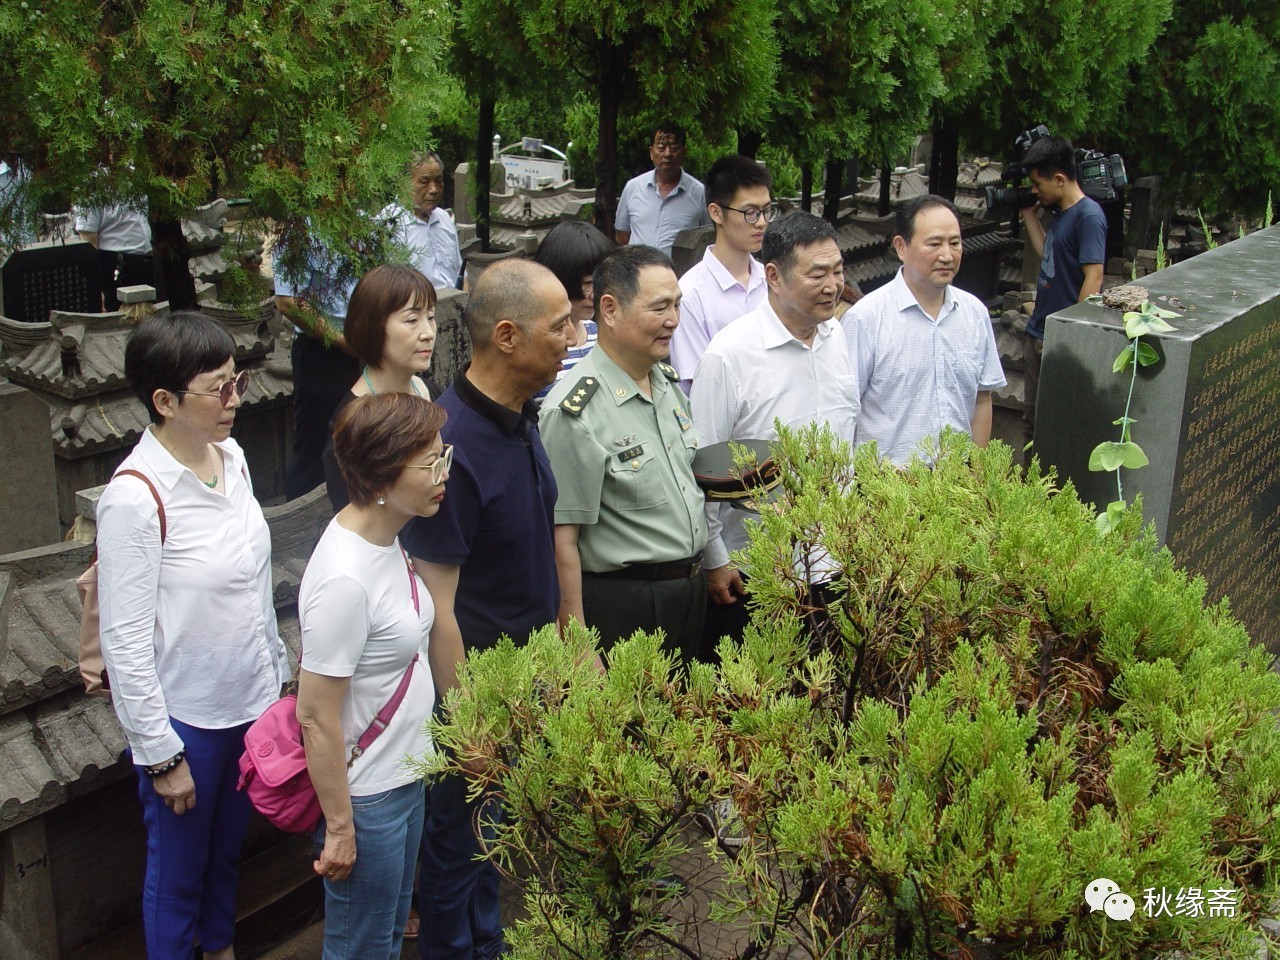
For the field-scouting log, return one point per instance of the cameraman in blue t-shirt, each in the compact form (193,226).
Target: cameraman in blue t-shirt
(1072,253)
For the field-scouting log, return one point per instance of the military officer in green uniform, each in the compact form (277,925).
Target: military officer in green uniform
(630,523)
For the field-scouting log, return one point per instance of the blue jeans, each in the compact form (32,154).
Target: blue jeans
(365,914)
(193,858)
(458,894)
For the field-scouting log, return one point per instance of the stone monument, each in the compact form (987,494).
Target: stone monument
(27,498)
(1208,417)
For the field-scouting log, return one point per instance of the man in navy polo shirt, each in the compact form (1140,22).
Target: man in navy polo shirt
(488,560)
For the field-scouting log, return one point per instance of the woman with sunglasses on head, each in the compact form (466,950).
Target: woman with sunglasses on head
(188,626)
(391,326)
(365,618)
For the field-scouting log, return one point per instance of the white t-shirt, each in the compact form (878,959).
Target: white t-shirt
(356,612)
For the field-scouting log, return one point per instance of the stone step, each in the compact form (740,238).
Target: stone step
(279,894)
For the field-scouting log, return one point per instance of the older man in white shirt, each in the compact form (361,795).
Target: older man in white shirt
(924,351)
(785,360)
(427,230)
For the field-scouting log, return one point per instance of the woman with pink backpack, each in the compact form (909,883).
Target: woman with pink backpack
(365,689)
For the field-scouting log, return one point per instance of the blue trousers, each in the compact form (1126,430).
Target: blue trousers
(457,894)
(193,859)
(365,914)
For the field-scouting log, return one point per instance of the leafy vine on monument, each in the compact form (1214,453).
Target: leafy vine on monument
(1125,452)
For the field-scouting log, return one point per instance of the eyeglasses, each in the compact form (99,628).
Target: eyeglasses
(237,385)
(439,467)
(753,214)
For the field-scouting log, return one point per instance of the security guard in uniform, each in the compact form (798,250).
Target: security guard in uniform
(630,520)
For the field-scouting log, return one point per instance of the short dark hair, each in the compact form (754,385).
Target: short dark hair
(786,234)
(380,293)
(376,435)
(672,129)
(730,174)
(1050,155)
(904,219)
(168,352)
(573,250)
(619,272)
(502,293)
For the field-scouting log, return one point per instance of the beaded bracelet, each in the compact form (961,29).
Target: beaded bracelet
(160,769)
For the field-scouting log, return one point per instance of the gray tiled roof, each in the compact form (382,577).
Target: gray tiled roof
(54,752)
(544,208)
(82,354)
(110,419)
(56,742)
(874,268)
(855,238)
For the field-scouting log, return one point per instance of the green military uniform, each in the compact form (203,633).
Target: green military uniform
(622,463)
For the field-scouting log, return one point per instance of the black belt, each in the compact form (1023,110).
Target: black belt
(675,570)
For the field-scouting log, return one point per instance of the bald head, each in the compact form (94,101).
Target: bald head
(503,293)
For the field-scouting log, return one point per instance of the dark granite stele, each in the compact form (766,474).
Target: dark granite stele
(1208,417)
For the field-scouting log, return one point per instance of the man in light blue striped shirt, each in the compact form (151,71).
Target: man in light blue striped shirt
(924,351)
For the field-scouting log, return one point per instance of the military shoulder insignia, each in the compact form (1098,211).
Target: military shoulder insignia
(582,391)
(669,371)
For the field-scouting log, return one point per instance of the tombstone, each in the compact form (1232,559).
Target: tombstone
(28,501)
(922,152)
(464,193)
(1149,216)
(1208,417)
(453,344)
(689,246)
(51,276)
(464,189)
(478,262)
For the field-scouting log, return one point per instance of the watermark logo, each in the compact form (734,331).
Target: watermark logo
(1106,895)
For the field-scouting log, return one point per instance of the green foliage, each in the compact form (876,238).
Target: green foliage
(607,768)
(1209,242)
(989,706)
(1066,64)
(707,63)
(1208,89)
(309,107)
(861,84)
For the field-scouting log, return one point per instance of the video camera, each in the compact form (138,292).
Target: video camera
(1097,174)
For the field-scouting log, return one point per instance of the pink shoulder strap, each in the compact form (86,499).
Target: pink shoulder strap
(154,496)
(380,722)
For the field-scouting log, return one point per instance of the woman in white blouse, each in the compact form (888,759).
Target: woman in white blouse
(365,620)
(188,627)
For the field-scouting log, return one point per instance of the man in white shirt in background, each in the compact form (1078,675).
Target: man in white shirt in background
(122,237)
(785,360)
(924,351)
(729,280)
(427,230)
(655,206)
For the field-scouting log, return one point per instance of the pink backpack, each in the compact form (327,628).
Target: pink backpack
(273,767)
(92,668)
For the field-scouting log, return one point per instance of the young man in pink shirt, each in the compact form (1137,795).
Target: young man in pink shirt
(729,281)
